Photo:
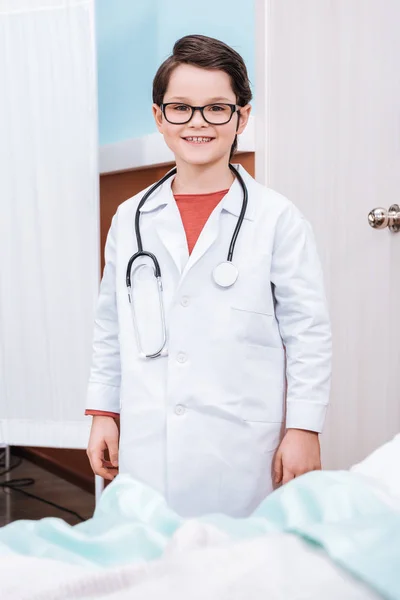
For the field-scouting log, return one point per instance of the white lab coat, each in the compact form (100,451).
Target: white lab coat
(202,424)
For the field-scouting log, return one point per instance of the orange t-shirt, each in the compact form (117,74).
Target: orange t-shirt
(195,210)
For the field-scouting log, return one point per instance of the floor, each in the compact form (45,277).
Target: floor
(14,505)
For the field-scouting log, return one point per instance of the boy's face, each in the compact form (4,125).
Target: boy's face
(198,87)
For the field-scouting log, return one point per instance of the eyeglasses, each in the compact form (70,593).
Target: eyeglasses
(214,114)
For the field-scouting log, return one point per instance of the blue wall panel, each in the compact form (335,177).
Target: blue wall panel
(134,37)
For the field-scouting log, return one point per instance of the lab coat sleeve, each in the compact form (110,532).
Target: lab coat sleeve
(105,376)
(302,315)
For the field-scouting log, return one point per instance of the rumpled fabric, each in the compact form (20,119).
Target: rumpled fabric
(350,516)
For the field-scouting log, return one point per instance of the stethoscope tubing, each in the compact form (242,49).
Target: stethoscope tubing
(141,252)
(156,264)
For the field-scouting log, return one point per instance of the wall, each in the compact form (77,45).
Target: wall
(133,38)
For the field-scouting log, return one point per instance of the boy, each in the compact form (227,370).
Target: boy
(203,421)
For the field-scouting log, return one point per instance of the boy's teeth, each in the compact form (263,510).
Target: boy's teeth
(198,139)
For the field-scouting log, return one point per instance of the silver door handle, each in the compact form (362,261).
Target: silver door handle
(379,218)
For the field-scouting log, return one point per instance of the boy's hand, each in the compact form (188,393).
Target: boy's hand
(104,435)
(298,453)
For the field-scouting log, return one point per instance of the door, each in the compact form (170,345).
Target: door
(328,106)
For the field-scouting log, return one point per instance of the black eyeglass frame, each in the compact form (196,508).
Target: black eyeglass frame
(234,108)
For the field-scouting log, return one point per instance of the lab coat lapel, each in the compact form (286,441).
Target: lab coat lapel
(210,232)
(169,228)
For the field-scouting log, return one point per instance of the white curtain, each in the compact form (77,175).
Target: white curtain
(49,219)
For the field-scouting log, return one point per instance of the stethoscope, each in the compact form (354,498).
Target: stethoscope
(224,275)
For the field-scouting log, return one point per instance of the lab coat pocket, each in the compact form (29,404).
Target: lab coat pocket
(265,384)
(252,326)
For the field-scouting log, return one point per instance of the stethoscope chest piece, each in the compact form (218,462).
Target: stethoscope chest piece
(225,274)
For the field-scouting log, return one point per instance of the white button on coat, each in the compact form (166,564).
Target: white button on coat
(218,458)
(185,301)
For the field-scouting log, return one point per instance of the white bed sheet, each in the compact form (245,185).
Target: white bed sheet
(198,566)
(200,562)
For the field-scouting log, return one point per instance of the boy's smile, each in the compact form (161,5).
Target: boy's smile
(198,140)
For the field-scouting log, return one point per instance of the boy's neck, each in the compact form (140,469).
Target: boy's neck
(202,179)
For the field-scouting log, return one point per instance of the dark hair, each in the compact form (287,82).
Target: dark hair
(206,53)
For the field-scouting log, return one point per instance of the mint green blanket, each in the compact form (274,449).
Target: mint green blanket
(342,512)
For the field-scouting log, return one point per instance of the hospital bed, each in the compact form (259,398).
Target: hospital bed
(325,536)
